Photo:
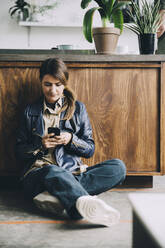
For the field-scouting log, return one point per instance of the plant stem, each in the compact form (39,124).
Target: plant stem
(104,22)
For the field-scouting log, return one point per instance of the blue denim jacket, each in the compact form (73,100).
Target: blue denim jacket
(31,130)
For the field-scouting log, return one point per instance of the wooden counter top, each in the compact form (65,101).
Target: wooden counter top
(74,56)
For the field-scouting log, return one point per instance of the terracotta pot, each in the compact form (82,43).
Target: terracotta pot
(106,39)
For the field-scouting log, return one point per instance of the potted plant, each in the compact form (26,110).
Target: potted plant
(105,37)
(145,23)
(22,9)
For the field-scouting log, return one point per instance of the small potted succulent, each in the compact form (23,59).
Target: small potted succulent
(22,9)
(105,37)
(145,23)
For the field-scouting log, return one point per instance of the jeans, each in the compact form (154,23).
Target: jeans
(68,187)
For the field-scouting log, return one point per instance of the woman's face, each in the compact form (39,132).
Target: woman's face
(52,88)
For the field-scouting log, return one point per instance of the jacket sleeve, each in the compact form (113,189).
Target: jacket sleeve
(82,144)
(24,148)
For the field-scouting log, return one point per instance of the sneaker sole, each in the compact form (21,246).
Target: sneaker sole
(48,203)
(96,211)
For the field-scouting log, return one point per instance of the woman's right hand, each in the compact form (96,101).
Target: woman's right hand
(48,141)
(161,29)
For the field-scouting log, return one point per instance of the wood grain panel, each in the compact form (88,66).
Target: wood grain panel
(123,106)
(122,103)
(115,65)
(162,118)
(17,88)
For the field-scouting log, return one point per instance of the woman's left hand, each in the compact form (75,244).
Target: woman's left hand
(64,138)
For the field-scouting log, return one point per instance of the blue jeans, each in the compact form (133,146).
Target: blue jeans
(68,187)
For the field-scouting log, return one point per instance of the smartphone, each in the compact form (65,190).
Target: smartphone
(54,130)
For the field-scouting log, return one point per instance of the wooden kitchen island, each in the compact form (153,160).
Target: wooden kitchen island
(124,96)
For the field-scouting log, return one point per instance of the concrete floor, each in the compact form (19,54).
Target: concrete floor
(22,225)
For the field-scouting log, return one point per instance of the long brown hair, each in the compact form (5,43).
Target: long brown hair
(58,69)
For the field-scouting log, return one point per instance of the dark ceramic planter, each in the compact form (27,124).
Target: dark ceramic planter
(147,43)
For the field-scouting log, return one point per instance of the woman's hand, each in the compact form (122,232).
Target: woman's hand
(64,138)
(50,141)
(161,29)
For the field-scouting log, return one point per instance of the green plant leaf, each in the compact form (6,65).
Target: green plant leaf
(87,23)
(25,14)
(120,5)
(104,1)
(14,10)
(100,3)
(109,8)
(117,17)
(85,3)
(15,6)
(133,28)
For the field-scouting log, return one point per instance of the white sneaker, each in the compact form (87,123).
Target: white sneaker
(48,203)
(97,211)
